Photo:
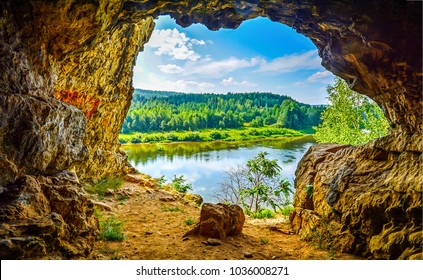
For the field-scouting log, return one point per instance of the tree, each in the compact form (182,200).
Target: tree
(351,118)
(256,185)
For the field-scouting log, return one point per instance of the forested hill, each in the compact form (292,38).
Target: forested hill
(170,111)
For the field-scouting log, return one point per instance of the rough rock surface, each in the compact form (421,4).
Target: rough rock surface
(219,221)
(66,68)
(46,218)
(368,197)
(195,198)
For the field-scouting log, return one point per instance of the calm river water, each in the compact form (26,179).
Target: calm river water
(203,164)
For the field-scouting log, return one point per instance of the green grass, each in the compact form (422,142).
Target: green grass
(171,209)
(235,134)
(287,210)
(264,241)
(105,184)
(263,214)
(189,222)
(111,229)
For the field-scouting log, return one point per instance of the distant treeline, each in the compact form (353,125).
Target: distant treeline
(152,111)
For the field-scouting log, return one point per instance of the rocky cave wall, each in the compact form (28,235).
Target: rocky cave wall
(65,88)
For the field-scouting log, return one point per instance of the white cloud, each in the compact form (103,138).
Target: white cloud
(175,44)
(291,63)
(198,42)
(156,82)
(220,68)
(137,69)
(231,82)
(170,68)
(321,76)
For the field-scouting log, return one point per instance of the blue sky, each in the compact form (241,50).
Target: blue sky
(260,55)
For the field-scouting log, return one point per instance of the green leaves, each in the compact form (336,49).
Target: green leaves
(257,185)
(351,118)
(180,184)
(166,112)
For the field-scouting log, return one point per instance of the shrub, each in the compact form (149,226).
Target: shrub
(180,184)
(287,210)
(263,214)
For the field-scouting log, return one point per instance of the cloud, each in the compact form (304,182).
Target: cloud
(291,63)
(137,69)
(321,76)
(156,82)
(170,68)
(175,44)
(216,69)
(231,82)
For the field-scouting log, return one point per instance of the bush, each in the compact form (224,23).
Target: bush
(215,135)
(180,184)
(256,185)
(287,210)
(263,214)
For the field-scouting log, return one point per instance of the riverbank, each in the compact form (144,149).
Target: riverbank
(234,134)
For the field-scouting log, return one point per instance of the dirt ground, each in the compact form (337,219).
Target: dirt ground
(155,222)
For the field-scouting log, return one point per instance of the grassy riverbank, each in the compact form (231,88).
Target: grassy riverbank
(238,134)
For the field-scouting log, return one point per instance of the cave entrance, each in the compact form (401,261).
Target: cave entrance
(244,60)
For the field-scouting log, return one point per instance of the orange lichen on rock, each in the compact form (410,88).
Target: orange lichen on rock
(86,103)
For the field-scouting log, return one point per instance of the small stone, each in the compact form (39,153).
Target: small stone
(212,242)
(185,238)
(248,255)
(148,232)
(167,198)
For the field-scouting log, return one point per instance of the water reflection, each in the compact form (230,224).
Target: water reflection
(204,164)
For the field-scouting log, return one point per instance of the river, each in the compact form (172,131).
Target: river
(203,164)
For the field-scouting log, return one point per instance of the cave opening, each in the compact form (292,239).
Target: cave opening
(259,56)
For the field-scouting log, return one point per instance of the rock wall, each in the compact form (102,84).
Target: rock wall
(46,218)
(366,200)
(66,68)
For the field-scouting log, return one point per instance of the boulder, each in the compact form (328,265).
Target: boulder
(219,221)
(46,218)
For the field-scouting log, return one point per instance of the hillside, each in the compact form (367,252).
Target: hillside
(153,111)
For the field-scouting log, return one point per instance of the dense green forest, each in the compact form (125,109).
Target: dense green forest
(154,111)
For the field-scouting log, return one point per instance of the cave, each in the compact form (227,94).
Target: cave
(66,84)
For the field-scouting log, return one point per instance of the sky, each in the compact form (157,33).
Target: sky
(258,56)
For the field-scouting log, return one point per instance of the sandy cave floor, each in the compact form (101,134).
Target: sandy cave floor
(154,226)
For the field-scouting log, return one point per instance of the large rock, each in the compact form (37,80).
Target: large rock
(219,221)
(369,198)
(46,218)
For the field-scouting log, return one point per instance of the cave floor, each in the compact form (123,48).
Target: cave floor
(155,222)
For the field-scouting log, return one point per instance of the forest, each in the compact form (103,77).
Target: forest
(160,111)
